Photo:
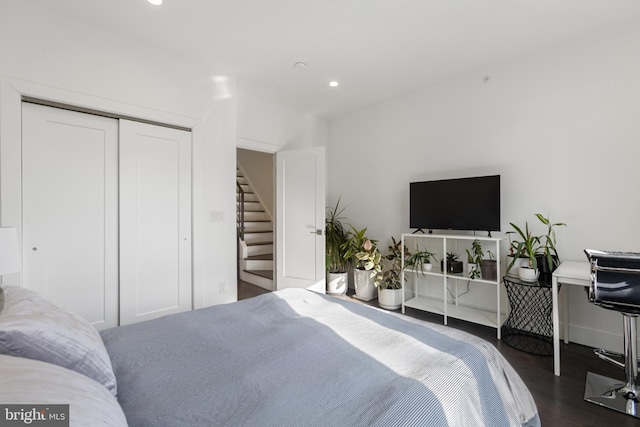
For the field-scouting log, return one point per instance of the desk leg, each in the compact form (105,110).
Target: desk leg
(556,327)
(565,313)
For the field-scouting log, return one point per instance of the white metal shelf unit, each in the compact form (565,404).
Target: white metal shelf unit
(441,244)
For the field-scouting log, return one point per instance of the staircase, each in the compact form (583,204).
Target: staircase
(255,245)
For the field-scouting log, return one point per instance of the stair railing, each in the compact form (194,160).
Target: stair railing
(241,213)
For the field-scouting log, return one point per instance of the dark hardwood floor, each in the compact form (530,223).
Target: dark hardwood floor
(559,399)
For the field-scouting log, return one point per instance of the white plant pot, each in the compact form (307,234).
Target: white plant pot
(515,269)
(391,299)
(527,274)
(337,283)
(365,287)
(427,267)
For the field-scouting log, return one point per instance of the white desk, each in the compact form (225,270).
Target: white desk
(568,273)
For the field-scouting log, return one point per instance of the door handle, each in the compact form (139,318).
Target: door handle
(318,232)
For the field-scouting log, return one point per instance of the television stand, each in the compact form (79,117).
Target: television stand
(436,290)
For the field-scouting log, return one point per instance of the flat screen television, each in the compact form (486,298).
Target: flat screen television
(456,204)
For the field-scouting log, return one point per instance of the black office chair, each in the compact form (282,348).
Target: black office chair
(615,285)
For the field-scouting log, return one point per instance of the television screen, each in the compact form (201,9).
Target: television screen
(456,204)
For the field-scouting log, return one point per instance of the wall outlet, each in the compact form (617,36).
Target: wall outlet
(223,287)
(216,216)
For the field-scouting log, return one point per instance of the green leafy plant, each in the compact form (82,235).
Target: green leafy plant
(531,246)
(364,253)
(527,247)
(452,257)
(548,241)
(418,259)
(474,257)
(336,235)
(454,265)
(391,277)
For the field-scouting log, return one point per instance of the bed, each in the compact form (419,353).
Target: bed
(287,358)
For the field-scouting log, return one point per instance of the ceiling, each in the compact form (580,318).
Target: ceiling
(375,49)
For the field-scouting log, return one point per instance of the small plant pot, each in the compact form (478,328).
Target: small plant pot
(453,267)
(427,267)
(390,299)
(337,283)
(527,274)
(489,269)
(519,262)
(364,284)
(546,270)
(471,270)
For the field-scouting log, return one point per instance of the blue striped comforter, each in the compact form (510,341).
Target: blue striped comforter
(297,358)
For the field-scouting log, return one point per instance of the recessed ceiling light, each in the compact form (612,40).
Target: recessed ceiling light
(333,83)
(155,2)
(300,65)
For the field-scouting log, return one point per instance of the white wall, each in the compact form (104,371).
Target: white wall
(560,126)
(267,127)
(87,62)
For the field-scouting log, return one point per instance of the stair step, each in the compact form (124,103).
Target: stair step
(242,180)
(255,279)
(261,257)
(267,274)
(256,263)
(259,249)
(248,197)
(252,207)
(245,188)
(258,237)
(257,226)
(255,216)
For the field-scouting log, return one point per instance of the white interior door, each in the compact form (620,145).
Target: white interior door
(70,210)
(155,221)
(300,209)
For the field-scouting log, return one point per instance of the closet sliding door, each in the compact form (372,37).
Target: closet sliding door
(155,221)
(70,210)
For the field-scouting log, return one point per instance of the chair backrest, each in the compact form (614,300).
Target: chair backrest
(615,280)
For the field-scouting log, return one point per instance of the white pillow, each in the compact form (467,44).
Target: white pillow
(35,328)
(31,382)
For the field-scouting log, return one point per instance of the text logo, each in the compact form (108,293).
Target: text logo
(34,415)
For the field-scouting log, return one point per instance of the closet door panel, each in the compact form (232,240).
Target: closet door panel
(70,210)
(155,221)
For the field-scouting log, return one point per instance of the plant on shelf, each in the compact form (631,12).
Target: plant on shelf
(454,265)
(420,260)
(364,253)
(489,267)
(474,258)
(336,235)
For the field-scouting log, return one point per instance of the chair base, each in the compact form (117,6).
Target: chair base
(612,394)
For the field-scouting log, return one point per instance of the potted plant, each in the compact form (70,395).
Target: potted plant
(515,259)
(390,288)
(474,258)
(420,260)
(528,246)
(454,265)
(367,259)
(548,259)
(336,235)
(489,267)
